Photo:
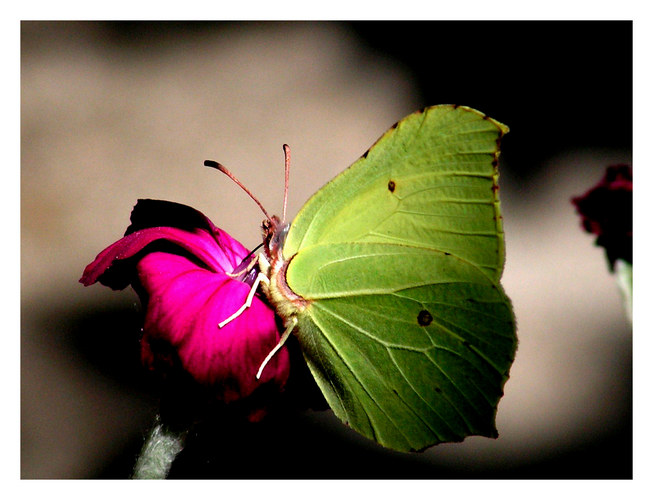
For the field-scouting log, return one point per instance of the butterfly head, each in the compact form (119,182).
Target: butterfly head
(274,236)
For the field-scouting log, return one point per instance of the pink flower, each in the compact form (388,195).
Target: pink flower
(177,261)
(606,211)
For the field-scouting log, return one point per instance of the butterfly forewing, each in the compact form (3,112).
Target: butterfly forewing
(431,181)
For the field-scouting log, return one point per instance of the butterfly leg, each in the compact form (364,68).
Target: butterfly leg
(282,341)
(248,302)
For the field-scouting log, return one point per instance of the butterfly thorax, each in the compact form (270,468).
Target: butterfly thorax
(274,265)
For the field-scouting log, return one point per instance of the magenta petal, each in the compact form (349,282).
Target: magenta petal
(186,303)
(606,210)
(200,244)
(178,262)
(214,248)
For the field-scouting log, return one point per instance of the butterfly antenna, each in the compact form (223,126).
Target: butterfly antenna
(286,154)
(225,171)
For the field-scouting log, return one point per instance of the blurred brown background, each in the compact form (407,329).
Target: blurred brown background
(112,112)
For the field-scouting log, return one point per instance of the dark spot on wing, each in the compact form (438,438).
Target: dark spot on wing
(424,318)
(391,186)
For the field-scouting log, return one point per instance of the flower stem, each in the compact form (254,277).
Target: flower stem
(624,271)
(159,451)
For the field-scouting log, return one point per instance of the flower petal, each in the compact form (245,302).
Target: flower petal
(177,261)
(214,248)
(186,303)
(606,210)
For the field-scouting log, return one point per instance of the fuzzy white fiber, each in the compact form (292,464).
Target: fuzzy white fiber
(158,453)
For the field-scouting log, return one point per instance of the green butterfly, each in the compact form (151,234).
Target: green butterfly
(389,278)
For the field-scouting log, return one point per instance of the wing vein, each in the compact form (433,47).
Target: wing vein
(387,346)
(360,383)
(433,409)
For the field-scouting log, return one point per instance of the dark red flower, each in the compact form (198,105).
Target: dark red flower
(606,211)
(178,261)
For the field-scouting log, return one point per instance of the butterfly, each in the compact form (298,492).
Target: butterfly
(389,279)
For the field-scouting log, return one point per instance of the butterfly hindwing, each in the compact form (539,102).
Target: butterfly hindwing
(389,344)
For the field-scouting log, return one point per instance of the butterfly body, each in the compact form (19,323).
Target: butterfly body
(389,277)
(274,266)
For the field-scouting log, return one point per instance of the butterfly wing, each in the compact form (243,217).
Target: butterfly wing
(410,346)
(407,330)
(430,181)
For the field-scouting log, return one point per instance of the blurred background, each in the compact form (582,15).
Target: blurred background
(113,112)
